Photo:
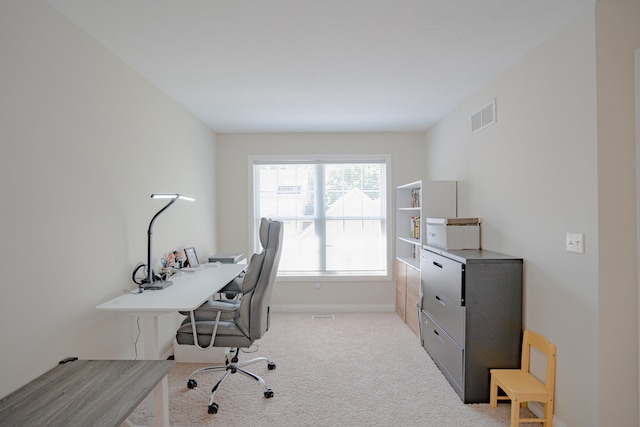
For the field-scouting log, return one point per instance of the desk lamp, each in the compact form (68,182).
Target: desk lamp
(149,283)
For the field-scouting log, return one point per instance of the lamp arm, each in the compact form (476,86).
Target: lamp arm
(149,233)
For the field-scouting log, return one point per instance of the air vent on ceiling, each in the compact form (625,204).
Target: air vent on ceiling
(485,116)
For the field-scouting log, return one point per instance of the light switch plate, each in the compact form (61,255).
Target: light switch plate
(575,242)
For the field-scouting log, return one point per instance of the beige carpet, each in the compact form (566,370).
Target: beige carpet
(358,369)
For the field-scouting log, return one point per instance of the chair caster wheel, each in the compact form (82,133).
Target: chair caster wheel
(271,366)
(192,383)
(268,394)
(213,408)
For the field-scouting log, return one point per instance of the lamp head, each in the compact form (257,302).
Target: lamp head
(172,196)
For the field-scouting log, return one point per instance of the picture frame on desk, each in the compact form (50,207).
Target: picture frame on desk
(192,257)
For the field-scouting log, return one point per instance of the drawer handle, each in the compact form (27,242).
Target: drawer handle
(437,264)
(438,336)
(441,301)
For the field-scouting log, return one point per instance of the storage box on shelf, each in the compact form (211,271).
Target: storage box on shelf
(414,201)
(471,315)
(453,233)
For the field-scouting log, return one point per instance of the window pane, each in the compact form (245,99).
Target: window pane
(300,247)
(334,215)
(283,190)
(353,190)
(355,245)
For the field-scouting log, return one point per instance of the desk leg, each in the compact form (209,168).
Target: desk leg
(160,405)
(158,401)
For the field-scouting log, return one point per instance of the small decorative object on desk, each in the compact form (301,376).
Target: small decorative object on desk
(172,260)
(192,258)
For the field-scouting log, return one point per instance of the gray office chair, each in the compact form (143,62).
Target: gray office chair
(237,324)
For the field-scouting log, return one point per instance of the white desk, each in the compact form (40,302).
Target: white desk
(188,292)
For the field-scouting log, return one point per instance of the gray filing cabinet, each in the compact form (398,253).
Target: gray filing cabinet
(471,315)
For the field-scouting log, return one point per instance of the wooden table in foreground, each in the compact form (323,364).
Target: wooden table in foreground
(83,393)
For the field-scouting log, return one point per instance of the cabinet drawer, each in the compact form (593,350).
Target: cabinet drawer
(413,285)
(443,350)
(442,282)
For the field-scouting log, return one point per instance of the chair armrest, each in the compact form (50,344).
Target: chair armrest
(210,309)
(216,305)
(208,306)
(234,286)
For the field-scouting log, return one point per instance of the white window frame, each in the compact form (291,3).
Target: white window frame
(354,158)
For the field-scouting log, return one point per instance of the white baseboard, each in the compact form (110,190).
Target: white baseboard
(167,354)
(333,308)
(538,409)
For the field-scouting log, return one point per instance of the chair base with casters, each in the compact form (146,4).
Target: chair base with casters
(232,367)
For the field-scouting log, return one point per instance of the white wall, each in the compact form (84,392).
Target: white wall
(617,35)
(548,167)
(85,141)
(407,152)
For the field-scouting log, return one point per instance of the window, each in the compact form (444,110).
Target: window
(334,214)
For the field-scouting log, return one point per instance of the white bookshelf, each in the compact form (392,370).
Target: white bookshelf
(428,199)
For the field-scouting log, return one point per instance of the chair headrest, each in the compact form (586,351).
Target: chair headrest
(264,232)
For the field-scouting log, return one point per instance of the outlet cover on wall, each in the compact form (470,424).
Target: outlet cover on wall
(575,243)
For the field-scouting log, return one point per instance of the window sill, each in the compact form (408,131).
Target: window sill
(334,278)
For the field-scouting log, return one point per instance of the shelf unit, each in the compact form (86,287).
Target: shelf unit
(409,203)
(429,199)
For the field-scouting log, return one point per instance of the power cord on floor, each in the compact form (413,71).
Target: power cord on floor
(135,345)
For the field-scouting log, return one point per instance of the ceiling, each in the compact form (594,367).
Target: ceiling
(323,65)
